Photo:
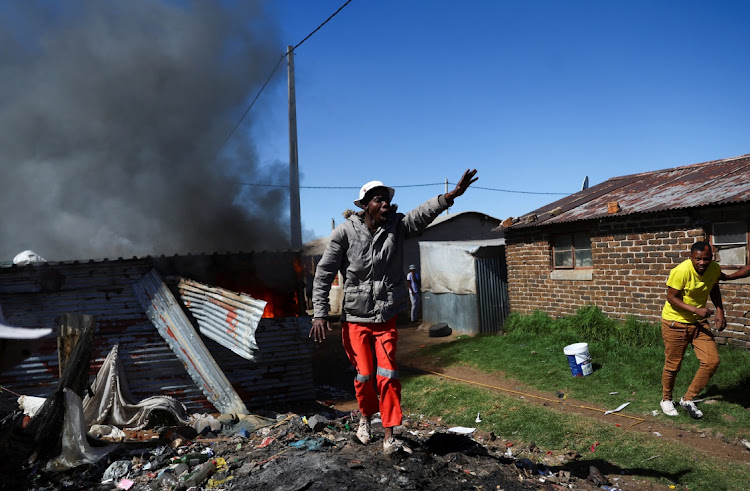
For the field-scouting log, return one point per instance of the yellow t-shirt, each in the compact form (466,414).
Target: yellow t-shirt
(694,287)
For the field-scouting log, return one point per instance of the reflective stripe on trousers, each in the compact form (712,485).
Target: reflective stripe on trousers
(360,340)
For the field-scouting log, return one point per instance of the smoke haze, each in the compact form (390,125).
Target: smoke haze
(111,114)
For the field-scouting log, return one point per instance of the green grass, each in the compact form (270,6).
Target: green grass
(628,358)
(619,451)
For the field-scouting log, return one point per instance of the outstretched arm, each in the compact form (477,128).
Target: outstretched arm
(740,273)
(463,184)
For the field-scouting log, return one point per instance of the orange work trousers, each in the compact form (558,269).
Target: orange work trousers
(677,337)
(359,342)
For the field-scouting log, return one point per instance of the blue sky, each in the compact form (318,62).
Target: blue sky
(534,94)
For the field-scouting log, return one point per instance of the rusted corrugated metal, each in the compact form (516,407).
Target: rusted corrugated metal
(711,183)
(227,317)
(36,295)
(166,314)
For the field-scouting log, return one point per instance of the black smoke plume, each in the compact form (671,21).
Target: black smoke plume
(111,114)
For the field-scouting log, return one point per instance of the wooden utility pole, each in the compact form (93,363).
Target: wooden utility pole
(294,211)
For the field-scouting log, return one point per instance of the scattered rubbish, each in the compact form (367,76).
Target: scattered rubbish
(191,459)
(562,395)
(613,393)
(198,476)
(610,488)
(30,405)
(125,484)
(596,477)
(75,448)
(657,433)
(745,443)
(110,401)
(117,470)
(652,458)
(478,420)
(203,425)
(654,412)
(317,422)
(579,359)
(107,432)
(593,446)
(310,443)
(463,430)
(266,442)
(617,409)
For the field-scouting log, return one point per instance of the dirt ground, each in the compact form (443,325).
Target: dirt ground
(332,369)
(291,453)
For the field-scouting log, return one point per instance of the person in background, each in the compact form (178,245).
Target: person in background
(740,273)
(368,251)
(684,321)
(414,291)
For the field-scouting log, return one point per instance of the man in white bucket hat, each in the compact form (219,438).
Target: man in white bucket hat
(368,251)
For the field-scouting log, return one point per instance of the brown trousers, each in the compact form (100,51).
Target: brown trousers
(677,337)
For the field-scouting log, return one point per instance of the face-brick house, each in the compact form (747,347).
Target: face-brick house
(613,245)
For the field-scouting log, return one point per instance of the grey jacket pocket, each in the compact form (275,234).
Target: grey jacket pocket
(358,300)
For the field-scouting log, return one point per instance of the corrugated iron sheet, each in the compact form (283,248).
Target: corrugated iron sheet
(492,290)
(227,317)
(36,295)
(174,326)
(481,312)
(711,183)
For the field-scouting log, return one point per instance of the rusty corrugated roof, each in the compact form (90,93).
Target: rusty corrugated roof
(709,183)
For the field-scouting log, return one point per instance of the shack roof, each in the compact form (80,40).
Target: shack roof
(717,182)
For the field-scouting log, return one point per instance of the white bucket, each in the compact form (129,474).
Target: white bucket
(578,359)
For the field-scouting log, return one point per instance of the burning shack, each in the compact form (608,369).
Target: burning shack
(219,330)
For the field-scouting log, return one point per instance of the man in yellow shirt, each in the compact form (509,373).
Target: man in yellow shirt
(684,320)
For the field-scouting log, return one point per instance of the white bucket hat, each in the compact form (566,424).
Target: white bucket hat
(369,186)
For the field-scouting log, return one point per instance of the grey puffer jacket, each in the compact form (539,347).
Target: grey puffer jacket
(371,264)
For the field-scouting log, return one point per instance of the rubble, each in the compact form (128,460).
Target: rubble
(315,451)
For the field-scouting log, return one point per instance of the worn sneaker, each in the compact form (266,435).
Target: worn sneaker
(364,432)
(392,445)
(691,408)
(667,407)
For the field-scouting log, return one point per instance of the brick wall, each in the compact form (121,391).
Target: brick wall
(632,257)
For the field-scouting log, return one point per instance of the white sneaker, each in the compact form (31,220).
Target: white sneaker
(363,432)
(667,407)
(691,408)
(392,445)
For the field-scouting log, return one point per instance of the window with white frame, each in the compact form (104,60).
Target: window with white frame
(572,251)
(730,243)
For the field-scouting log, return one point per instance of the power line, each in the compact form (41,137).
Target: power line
(398,186)
(509,190)
(270,75)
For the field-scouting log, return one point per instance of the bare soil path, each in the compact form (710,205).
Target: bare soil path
(336,371)
(412,339)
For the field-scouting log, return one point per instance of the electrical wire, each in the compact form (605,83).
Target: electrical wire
(270,75)
(399,186)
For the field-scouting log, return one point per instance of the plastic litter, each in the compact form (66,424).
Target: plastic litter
(478,420)
(117,470)
(30,405)
(617,409)
(125,484)
(463,430)
(75,448)
(309,443)
(107,432)
(197,477)
(745,443)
